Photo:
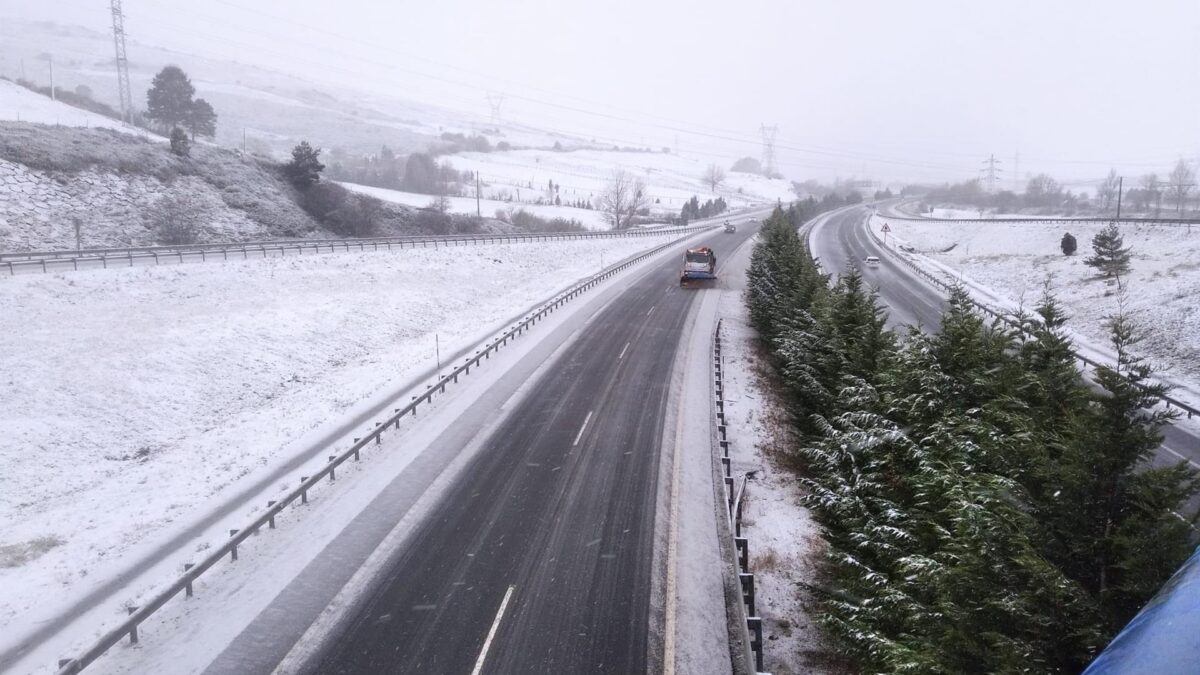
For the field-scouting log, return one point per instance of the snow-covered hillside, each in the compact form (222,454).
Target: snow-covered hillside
(590,219)
(196,376)
(670,179)
(1016,259)
(22,105)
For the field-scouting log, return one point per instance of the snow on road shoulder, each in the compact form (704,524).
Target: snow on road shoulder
(196,376)
(1008,264)
(786,544)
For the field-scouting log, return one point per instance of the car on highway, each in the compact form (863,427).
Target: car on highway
(730,227)
(871,260)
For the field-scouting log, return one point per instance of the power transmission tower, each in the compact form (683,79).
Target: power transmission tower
(125,92)
(495,101)
(768,151)
(991,172)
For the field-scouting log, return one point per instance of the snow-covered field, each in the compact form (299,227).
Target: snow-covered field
(1015,260)
(22,105)
(489,207)
(670,179)
(133,397)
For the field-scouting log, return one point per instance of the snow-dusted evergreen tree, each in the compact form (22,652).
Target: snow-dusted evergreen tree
(1111,256)
(1131,538)
(169,99)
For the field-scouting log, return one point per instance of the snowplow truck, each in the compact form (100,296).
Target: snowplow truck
(699,267)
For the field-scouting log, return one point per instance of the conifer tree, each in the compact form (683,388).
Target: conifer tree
(305,167)
(1111,255)
(169,99)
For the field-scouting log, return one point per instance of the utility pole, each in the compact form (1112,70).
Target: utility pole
(1120,191)
(1016,172)
(124,91)
(478,209)
(991,172)
(53,96)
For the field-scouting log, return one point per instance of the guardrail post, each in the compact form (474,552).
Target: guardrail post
(332,469)
(187,587)
(743,552)
(233,550)
(748,590)
(754,624)
(271,520)
(303,493)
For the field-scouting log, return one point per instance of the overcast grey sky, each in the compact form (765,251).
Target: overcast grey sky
(922,88)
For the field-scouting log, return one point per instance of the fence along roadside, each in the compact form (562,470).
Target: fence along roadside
(46,261)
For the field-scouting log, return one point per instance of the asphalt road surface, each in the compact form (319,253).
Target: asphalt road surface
(539,559)
(843,241)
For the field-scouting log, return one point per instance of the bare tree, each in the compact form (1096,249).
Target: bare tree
(714,176)
(1150,186)
(622,199)
(1180,182)
(1107,191)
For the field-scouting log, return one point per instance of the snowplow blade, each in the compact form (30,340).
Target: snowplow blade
(707,281)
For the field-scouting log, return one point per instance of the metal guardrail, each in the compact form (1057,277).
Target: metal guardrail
(1167,399)
(733,505)
(1060,220)
(72,259)
(184,584)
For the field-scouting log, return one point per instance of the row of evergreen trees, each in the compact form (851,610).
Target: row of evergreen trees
(985,510)
(694,210)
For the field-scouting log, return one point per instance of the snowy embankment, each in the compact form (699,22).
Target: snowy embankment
(22,105)
(670,179)
(134,397)
(1009,264)
(786,544)
(489,208)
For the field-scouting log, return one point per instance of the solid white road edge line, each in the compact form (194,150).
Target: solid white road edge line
(623,350)
(651,311)
(492,633)
(1180,456)
(673,546)
(582,428)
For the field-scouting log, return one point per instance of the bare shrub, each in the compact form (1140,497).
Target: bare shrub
(178,218)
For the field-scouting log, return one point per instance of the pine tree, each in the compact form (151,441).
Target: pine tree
(1128,507)
(1111,255)
(202,119)
(169,99)
(305,168)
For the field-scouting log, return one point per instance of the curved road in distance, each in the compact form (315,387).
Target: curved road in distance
(545,545)
(842,239)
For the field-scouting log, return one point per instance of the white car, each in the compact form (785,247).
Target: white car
(871,260)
